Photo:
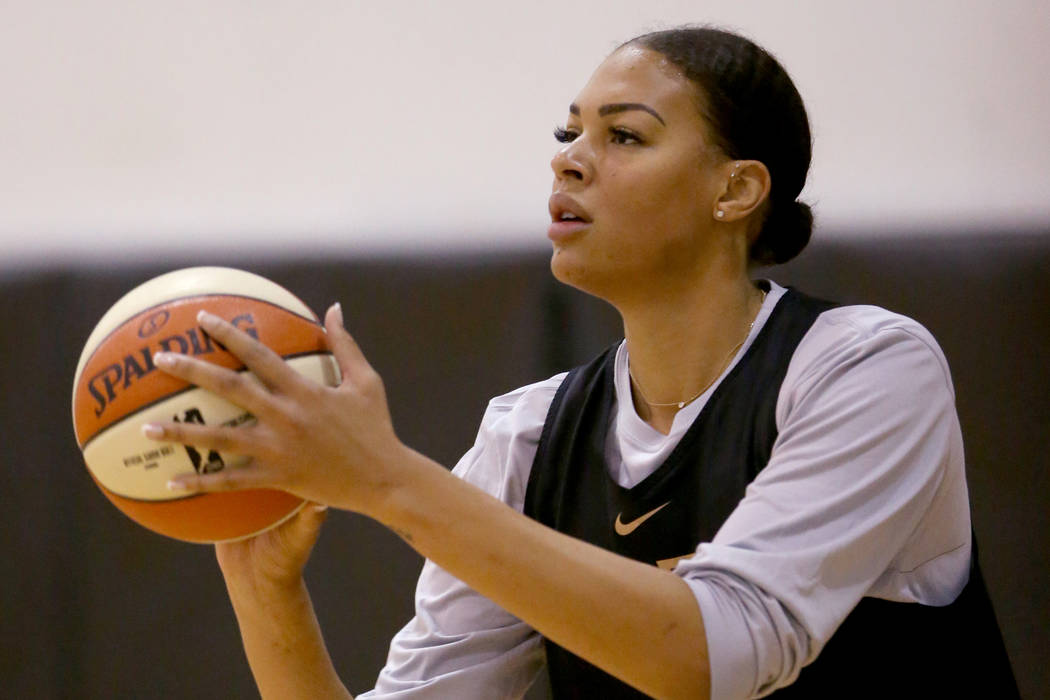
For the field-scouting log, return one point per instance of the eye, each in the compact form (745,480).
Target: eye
(563,135)
(623,136)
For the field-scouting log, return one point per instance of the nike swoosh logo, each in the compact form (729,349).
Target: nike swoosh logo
(623,528)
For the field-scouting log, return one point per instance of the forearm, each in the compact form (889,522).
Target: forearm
(599,605)
(283,642)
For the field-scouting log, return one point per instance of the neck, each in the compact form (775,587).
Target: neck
(680,344)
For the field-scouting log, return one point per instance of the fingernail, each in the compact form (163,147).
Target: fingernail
(319,507)
(338,312)
(152,431)
(164,359)
(205,317)
(174,485)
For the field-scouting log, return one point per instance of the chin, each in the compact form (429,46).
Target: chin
(563,267)
(571,270)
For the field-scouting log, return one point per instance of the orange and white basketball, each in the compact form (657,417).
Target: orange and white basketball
(117,389)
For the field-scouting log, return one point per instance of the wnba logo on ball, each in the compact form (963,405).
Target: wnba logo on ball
(214,462)
(106,383)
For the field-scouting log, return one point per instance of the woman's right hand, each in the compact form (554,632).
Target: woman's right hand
(274,560)
(282,639)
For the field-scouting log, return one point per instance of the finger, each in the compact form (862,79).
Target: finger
(312,515)
(308,522)
(237,387)
(220,439)
(347,353)
(228,479)
(261,360)
(317,510)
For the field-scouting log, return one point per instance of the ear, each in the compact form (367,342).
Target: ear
(746,189)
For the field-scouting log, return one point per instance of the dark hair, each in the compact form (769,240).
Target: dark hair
(755,113)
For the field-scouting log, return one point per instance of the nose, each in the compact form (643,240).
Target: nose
(572,162)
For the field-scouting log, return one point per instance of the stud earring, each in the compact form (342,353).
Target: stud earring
(720,214)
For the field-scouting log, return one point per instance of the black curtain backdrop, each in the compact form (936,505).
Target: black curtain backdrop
(94,606)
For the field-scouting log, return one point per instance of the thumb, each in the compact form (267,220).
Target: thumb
(301,533)
(347,353)
(311,517)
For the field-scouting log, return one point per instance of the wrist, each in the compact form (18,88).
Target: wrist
(391,472)
(260,590)
(405,475)
(272,610)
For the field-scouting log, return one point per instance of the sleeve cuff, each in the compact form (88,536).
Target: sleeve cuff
(730,649)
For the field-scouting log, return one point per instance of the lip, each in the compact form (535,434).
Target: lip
(561,203)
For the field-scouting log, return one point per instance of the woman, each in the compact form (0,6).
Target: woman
(795,463)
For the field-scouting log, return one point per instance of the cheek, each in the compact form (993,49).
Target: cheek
(666,199)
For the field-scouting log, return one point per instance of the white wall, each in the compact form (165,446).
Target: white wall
(146,126)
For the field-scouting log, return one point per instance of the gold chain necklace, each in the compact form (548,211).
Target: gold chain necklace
(725,363)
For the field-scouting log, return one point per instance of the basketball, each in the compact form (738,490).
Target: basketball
(117,389)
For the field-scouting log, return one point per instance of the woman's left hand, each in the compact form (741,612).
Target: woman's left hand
(325,444)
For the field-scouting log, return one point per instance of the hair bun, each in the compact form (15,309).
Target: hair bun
(784,234)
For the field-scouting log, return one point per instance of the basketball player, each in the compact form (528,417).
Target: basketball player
(755,492)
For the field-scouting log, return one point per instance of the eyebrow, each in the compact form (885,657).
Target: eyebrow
(617,107)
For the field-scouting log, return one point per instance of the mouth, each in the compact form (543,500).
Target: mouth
(567,217)
(564,208)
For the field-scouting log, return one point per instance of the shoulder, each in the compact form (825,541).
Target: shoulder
(501,457)
(878,340)
(521,408)
(525,409)
(858,356)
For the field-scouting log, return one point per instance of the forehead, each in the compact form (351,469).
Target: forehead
(636,74)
